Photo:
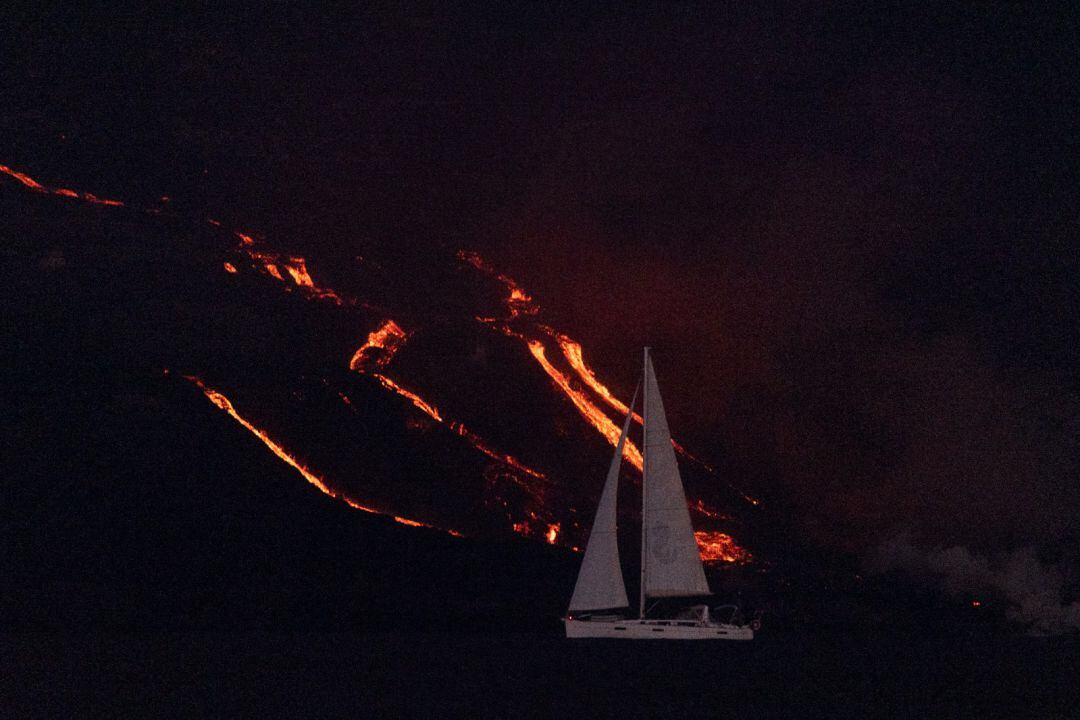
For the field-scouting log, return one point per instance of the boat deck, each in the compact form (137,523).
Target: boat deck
(655,630)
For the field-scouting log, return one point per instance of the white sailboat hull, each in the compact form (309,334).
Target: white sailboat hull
(634,629)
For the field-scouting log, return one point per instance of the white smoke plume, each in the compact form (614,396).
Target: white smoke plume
(1032,590)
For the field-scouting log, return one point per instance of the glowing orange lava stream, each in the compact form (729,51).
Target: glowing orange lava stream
(225,404)
(34,185)
(384,342)
(573,353)
(714,546)
(588,410)
(720,547)
(294,266)
(379,349)
(519,301)
(412,397)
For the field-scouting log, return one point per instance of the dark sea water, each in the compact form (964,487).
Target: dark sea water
(449,675)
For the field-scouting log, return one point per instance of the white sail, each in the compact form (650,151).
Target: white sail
(600,583)
(671,562)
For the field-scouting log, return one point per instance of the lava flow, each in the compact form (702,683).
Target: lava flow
(382,344)
(380,347)
(588,410)
(225,404)
(429,409)
(720,547)
(519,302)
(294,266)
(714,546)
(376,353)
(574,355)
(34,185)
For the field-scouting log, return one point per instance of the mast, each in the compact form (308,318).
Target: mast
(644,450)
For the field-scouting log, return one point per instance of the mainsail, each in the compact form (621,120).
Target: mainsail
(671,563)
(600,583)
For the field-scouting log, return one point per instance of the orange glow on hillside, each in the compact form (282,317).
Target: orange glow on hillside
(24,179)
(34,185)
(572,350)
(518,301)
(573,353)
(383,343)
(415,399)
(379,349)
(225,404)
(272,262)
(708,512)
(477,442)
(552,533)
(297,269)
(473,439)
(594,415)
(720,547)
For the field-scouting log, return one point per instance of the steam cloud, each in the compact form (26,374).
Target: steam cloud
(1032,590)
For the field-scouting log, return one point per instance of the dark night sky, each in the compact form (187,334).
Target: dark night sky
(849,234)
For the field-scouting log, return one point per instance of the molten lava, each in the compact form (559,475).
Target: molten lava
(573,353)
(383,343)
(518,302)
(379,349)
(272,263)
(34,185)
(588,410)
(412,397)
(225,404)
(719,547)
(477,442)
(377,352)
(552,533)
(705,511)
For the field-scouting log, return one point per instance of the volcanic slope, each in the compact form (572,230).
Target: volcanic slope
(132,501)
(448,407)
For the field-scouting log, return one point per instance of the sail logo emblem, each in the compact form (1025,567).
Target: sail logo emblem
(660,544)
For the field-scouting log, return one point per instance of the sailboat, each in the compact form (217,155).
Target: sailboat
(670,561)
